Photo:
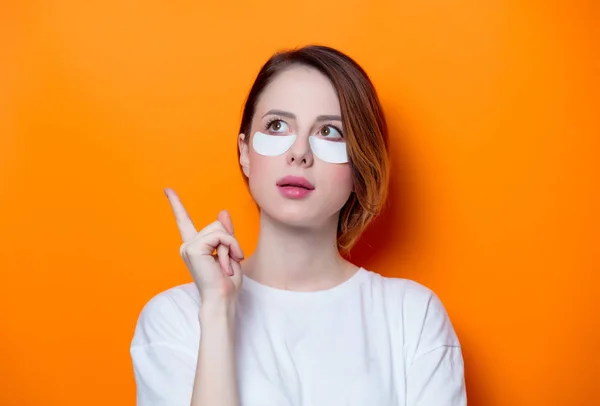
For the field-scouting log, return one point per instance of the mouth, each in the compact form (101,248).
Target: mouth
(295,182)
(291,185)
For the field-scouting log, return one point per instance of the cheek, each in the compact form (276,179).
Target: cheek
(261,166)
(342,176)
(338,184)
(263,173)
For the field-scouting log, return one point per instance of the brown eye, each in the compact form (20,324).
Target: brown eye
(277,126)
(330,132)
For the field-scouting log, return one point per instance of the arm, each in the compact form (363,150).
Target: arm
(215,382)
(218,279)
(170,368)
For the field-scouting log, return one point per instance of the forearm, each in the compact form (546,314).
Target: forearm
(215,383)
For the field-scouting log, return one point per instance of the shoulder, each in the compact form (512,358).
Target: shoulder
(405,292)
(170,316)
(418,310)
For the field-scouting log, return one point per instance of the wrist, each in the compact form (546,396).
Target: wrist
(217,310)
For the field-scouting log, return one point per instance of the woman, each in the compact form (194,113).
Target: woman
(296,323)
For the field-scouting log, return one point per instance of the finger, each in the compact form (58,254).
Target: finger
(214,226)
(225,219)
(224,260)
(184,222)
(217,238)
(223,252)
(211,241)
(237,268)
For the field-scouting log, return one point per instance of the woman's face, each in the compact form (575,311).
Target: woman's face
(303,102)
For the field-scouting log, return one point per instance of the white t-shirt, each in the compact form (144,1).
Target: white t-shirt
(370,341)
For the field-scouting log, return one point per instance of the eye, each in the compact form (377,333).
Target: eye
(277,126)
(331,132)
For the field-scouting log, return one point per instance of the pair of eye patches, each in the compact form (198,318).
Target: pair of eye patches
(333,152)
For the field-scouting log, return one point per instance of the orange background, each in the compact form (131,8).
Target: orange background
(493,108)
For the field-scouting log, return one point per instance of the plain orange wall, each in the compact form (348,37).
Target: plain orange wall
(493,108)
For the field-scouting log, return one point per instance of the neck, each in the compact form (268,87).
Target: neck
(297,258)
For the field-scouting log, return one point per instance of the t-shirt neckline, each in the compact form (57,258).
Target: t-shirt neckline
(265,291)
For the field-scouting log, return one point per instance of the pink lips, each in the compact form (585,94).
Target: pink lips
(295,187)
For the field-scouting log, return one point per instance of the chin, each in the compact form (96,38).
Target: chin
(303,215)
(293,213)
(307,213)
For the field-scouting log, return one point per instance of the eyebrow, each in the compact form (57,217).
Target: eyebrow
(326,117)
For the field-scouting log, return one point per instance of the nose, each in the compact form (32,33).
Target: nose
(300,153)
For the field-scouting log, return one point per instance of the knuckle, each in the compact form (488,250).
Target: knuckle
(183,249)
(222,235)
(219,226)
(189,250)
(207,229)
(194,250)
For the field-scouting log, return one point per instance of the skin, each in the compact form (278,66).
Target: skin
(291,228)
(297,247)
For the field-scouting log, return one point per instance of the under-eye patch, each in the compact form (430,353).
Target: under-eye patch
(272,145)
(333,152)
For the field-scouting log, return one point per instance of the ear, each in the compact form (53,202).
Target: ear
(244,155)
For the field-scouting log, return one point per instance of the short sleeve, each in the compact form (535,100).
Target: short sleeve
(164,362)
(435,377)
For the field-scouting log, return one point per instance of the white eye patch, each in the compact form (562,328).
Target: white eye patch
(333,152)
(273,145)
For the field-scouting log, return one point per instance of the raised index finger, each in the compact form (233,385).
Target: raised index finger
(184,222)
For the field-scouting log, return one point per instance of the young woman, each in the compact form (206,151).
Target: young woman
(295,323)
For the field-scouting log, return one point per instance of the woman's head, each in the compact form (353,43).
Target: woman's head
(313,113)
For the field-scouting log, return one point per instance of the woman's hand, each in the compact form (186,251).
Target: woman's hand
(217,277)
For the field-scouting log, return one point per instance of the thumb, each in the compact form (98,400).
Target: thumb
(225,219)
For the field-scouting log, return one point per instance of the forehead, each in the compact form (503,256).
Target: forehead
(300,90)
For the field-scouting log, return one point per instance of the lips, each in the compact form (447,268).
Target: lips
(295,181)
